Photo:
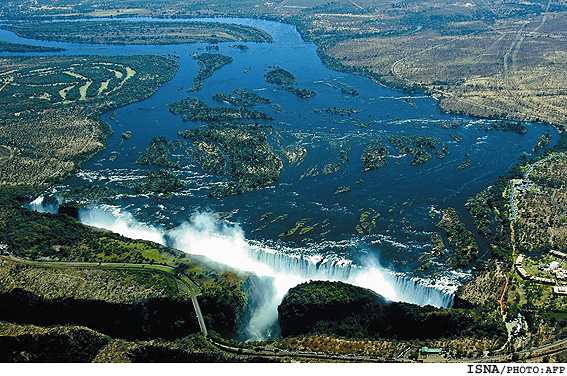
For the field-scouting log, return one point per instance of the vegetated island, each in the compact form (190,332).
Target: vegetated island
(7,46)
(301,93)
(87,193)
(209,156)
(158,153)
(232,100)
(345,90)
(252,162)
(542,142)
(419,146)
(193,109)
(374,155)
(157,182)
(244,93)
(138,32)
(280,76)
(367,222)
(241,47)
(461,241)
(505,126)
(340,111)
(208,64)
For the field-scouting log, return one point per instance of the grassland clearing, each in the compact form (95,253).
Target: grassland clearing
(490,59)
(138,32)
(58,99)
(542,218)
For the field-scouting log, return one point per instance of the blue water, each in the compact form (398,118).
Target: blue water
(407,197)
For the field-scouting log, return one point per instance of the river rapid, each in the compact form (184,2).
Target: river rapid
(245,231)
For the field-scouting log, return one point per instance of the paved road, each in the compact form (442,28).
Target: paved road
(186,284)
(525,178)
(505,357)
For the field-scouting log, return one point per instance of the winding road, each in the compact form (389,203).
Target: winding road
(186,285)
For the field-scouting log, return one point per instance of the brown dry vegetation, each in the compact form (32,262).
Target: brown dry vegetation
(49,108)
(485,58)
(542,211)
(332,345)
(486,288)
(115,286)
(59,136)
(497,66)
(464,346)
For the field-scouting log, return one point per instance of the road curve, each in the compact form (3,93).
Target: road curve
(187,285)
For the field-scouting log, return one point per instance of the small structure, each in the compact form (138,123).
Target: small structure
(522,272)
(560,273)
(520,259)
(430,351)
(552,266)
(546,281)
(558,254)
(560,290)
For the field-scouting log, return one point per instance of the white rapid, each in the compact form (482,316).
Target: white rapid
(203,234)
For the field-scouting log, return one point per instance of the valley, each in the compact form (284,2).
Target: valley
(280,178)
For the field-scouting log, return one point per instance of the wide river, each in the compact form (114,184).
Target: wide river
(404,200)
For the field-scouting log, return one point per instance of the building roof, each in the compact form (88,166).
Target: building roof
(560,290)
(430,350)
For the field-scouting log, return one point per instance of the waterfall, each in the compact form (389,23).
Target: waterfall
(224,243)
(318,267)
(411,290)
(392,285)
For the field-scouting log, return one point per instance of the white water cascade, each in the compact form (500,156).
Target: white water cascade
(392,285)
(204,235)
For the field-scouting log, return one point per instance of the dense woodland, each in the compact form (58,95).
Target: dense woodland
(7,46)
(420,147)
(374,155)
(140,32)
(350,311)
(158,153)
(193,109)
(208,64)
(160,182)
(461,240)
(280,76)
(252,162)
(244,93)
(301,93)
(33,235)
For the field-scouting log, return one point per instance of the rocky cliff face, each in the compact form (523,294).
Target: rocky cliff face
(28,343)
(31,343)
(337,308)
(152,318)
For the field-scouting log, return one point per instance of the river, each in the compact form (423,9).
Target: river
(404,200)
